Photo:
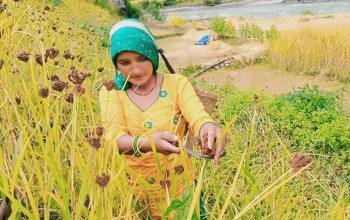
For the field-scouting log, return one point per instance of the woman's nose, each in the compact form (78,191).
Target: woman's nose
(136,68)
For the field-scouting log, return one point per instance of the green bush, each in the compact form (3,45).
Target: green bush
(272,33)
(251,31)
(132,11)
(312,118)
(169,2)
(154,8)
(212,2)
(222,28)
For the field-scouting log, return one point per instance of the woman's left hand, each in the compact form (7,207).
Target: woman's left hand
(214,133)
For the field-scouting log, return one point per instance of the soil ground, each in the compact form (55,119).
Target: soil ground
(182,51)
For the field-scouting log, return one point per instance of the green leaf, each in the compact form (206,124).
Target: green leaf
(174,205)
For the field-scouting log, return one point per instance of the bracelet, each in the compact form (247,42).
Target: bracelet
(135,146)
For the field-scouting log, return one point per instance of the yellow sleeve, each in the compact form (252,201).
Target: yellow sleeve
(112,116)
(190,106)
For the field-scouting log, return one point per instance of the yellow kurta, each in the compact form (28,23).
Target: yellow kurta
(177,103)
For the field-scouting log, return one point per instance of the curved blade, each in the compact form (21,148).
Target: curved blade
(201,156)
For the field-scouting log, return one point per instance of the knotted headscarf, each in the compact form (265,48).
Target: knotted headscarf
(132,35)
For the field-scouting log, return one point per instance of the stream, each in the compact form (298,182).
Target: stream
(257,9)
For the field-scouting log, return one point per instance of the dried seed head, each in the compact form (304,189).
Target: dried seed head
(44,92)
(205,148)
(54,28)
(39,59)
(59,85)
(18,100)
(70,98)
(165,184)
(1,63)
(301,160)
(24,56)
(256,96)
(88,134)
(102,180)
(100,69)
(52,53)
(94,142)
(99,131)
(67,55)
(47,8)
(56,63)
(179,169)
(79,90)
(55,78)
(80,58)
(109,84)
(77,78)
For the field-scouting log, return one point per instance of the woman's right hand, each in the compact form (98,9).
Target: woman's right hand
(162,142)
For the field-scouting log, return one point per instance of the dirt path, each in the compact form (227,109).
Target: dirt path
(271,81)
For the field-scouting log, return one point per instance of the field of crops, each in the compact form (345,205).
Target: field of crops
(287,157)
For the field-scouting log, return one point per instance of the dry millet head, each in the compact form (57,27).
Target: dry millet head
(59,85)
(56,63)
(39,60)
(70,98)
(67,55)
(109,84)
(165,183)
(99,131)
(88,134)
(256,96)
(301,160)
(94,142)
(18,100)
(24,56)
(179,169)
(100,69)
(77,78)
(44,92)
(47,8)
(102,180)
(55,78)
(1,63)
(204,146)
(52,53)
(79,90)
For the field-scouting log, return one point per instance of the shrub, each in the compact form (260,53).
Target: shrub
(132,11)
(312,118)
(212,2)
(153,7)
(272,33)
(223,28)
(169,2)
(176,21)
(251,31)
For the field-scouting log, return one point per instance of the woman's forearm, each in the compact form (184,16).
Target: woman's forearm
(125,144)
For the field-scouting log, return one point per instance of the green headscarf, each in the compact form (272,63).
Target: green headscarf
(132,35)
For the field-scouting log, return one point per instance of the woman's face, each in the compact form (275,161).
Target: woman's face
(138,66)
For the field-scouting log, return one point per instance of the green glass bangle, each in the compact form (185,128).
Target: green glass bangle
(134,144)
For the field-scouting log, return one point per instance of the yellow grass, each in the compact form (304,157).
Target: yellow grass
(323,52)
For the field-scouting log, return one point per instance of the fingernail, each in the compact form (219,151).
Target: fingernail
(175,137)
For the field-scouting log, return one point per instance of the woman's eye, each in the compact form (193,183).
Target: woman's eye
(143,59)
(124,63)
